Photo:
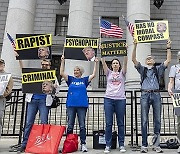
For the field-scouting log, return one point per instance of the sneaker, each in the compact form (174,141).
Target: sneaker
(122,149)
(178,150)
(157,149)
(107,149)
(83,148)
(144,149)
(21,149)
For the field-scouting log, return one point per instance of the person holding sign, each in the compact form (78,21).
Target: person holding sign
(36,102)
(150,95)
(174,82)
(89,53)
(115,100)
(7,91)
(77,99)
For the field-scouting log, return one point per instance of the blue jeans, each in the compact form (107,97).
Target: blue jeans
(119,107)
(81,113)
(32,110)
(147,99)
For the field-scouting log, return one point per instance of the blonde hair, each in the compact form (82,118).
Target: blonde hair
(80,68)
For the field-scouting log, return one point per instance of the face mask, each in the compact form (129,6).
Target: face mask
(149,67)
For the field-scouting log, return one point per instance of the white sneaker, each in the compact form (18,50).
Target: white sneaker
(83,148)
(107,149)
(178,150)
(122,149)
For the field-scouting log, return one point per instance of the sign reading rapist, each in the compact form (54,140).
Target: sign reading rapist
(113,48)
(74,45)
(33,46)
(38,81)
(150,31)
(4,79)
(176,102)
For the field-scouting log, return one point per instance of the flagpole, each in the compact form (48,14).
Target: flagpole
(100,34)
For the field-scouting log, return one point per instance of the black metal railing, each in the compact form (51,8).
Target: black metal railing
(14,115)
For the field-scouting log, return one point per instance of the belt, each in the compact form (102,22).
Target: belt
(150,91)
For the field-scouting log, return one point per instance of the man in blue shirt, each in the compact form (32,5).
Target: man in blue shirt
(150,95)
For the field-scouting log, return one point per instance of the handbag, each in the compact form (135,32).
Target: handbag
(44,139)
(56,101)
(70,144)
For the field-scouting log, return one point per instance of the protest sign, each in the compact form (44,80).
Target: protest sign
(4,79)
(176,102)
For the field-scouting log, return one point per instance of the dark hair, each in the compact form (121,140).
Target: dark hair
(120,67)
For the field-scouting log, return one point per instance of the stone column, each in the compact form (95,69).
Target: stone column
(80,24)
(136,10)
(20,19)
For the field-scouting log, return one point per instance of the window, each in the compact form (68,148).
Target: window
(61,25)
(102,75)
(114,20)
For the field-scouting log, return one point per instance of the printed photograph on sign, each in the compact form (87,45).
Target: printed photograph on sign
(80,48)
(38,81)
(113,48)
(151,30)
(4,79)
(33,46)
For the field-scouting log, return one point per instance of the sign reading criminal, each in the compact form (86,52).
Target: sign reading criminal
(113,48)
(150,31)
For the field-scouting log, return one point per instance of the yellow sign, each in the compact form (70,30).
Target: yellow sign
(151,31)
(81,43)
(33,77)
(33,41)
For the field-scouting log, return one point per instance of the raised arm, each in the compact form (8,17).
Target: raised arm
(20,61)
(65,76)
(168,60)
(170,86)
(105,67)
(124,68)
(134,60)
(93,75)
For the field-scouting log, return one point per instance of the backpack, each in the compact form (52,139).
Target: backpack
(145,73)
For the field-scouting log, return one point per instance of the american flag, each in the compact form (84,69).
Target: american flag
(130,27)
(12,41)
(110,29)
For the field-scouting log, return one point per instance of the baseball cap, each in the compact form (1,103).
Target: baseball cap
(2,61)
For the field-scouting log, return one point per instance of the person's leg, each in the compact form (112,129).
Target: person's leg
(120,108)
(81,113)
(2,108)
(109,111)
(156,105)
(71,113)
(31,114)
(145,105)
(43,111)
(178,131)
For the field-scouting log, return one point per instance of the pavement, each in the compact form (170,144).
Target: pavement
(6,142)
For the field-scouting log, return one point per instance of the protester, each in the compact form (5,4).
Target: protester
(43,52)
(174,84)
(150,95)
(89,53)
(36,102)
(115,101)
(5,94)
(77,99)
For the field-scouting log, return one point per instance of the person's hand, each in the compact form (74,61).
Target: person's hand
(62,57)
(96,60)
(170,92)
(135,42)
(169,43)
(16,54)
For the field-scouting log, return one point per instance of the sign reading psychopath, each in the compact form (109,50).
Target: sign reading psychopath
(80,48)
(150,31)
(33,46)
(113,48)
(176,102)
(38,80)
(4,79)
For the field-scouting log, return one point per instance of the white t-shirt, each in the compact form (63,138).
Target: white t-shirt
(175,73)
